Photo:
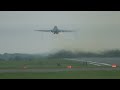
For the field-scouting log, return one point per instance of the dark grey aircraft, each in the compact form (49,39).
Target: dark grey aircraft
(55,30)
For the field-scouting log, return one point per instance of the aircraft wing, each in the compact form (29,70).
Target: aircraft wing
(66,31)
(44,30)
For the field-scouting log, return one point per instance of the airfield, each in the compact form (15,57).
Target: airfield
(58,68)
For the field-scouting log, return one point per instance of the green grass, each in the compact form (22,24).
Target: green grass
(52,63)
(41,63)
(64,75)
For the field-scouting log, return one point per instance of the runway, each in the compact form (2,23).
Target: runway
(89,62)
(55,70)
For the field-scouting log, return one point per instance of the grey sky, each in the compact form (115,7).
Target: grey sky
(96,31)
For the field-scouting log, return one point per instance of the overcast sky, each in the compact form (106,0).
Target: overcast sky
(95,31)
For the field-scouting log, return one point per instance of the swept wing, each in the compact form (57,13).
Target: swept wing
(44,30)
(66,31)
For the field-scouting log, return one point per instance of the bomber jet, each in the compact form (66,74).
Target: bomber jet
(55,30)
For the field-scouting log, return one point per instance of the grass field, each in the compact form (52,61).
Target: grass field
(64,75)
(53,64)
(41,63)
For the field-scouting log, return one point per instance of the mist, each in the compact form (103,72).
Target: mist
(95,31)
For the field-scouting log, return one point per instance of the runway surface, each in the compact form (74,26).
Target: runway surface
(55,70)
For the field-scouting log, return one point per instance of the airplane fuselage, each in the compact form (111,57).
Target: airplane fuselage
(55,30)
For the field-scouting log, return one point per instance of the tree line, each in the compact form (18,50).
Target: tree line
(60,54)
(70,54)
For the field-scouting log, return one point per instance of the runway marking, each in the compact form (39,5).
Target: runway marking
(90,62)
